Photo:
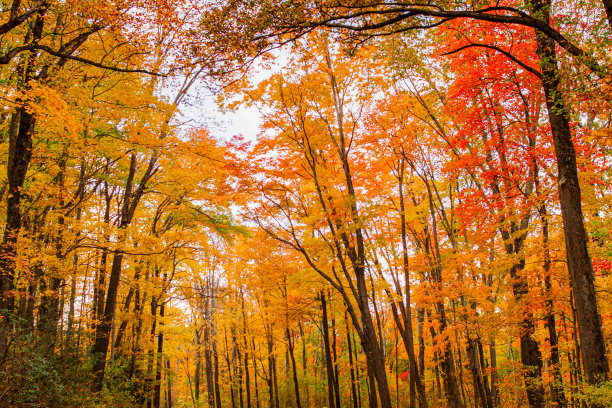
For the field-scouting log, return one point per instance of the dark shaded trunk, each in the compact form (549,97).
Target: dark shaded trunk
(608,6)
(168,386)
(103,331)
(578,260)
(48,310)
(208,360)
(531,358)
(354,395)
(405,326)
(246,353)
(296,386)
(420,321)
(482,397)
(138,308)
(126,307)
(369,341)
(371,383)
(100,281)
(73,289)
(447,362)
(483,366)
(21,132)
(335,359)
(198,371)
(494,392)
(556,388)
(149,376)
(271,369)
(159,366)
(327,351)
(20,153)
(255,375)
(217,386)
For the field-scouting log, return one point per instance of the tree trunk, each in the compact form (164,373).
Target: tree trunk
(21,132)
(494,392)
(354,395)
(296,386)
(208,360)
(328,359)
(578,259)
(159,366)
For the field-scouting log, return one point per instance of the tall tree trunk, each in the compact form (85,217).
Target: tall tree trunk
(103,331)
(168,385)
(208,359)
(255,374)
(21,132)
(406,331)
(335,360)
(296,386)
(218,402)
(578,260)
(447,362)
(160,351)
(557,393)
(149,376)
(327,351)
(482,399)
(354,395)
(270,379)
(494,392)
(246,353)
(198,369)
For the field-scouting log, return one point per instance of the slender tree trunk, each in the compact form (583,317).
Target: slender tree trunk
(447,362)
(246,353)
(228,360)
(160,351)
(477,375)
(126,308)
(420,321)
(485,380)
(150,375)
(416,383)
(208,360)
(327,351)
(103,330)
(218,402)
(354,395)
(255,374)
(335,360)
(198,369)
(296,386)
(557,393)
(168,385)
(494,392)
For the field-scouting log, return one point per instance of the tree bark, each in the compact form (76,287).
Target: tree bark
(296,386)
(327,350)
(21,132)
(103,331)
(578,260)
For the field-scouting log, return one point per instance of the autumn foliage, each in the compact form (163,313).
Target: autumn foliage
(420,216)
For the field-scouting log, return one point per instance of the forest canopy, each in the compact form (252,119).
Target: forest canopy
(418,215)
